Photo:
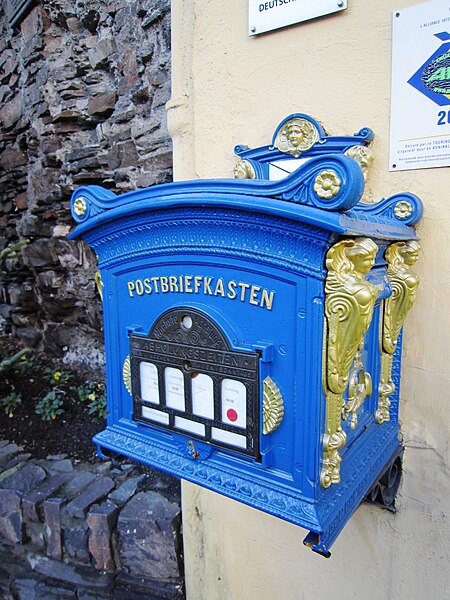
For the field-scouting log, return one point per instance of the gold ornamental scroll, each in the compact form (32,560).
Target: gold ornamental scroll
(349,304)
(400,257)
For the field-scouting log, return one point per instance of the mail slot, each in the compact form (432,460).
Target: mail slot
(188,378)
(253,326)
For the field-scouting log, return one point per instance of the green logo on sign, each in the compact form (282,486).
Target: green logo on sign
(436,75)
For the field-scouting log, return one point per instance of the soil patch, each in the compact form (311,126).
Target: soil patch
(29,381)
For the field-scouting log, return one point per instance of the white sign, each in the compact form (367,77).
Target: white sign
(234,403)
(174,381)
(149,382)
(271,14)
(203,396)
(420,105)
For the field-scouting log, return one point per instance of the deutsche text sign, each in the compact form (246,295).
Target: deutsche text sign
(271,14)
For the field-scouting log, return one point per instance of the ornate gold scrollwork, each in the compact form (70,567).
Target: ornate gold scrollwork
(364,156)
(80,206)
(273,406)
(244,170)
(400,257)
(359,387)
(349,304)
(126,373)
(327,184)
(296,136)
(403,209)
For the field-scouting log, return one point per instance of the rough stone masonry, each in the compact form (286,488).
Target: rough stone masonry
(83,86)
(77,530)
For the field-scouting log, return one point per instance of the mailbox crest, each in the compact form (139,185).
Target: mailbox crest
(253,326)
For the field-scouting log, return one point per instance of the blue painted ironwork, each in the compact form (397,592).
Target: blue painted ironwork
(263,157)
(224,279)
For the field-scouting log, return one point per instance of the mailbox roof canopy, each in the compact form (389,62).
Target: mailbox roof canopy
(322,185)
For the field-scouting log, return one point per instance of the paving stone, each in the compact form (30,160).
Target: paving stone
(101,521)
(87,595)
(126,490)
(76,543)
(95,492)
(146,539)
(129,587)
(78,483)
(8,472)
(56,457)
(25,479)
(35,589)
(62,466)
(103,467)
(52,516)
(127,467)
(10,516)
(5,593)
(35,531)
(26,589)
(7,451)
(31,502)
(17,461)
(76,575)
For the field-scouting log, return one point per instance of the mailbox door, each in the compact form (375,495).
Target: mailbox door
(266,312)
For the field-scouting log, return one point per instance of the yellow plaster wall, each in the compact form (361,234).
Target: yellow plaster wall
(230,89)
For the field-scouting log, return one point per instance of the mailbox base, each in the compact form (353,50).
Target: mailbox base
(382,493)
(325,515)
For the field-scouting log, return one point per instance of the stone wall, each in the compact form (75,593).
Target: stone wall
(83,86)
(70,530)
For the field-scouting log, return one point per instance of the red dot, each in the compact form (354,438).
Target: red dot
(232,415)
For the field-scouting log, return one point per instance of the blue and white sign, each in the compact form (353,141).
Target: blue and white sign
(266,15)
(420,105)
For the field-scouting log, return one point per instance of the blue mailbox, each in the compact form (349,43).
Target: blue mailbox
(253,326)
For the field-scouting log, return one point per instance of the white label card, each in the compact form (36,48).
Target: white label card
(203,396)
(228,437)
(189,425)
(174,381)
(155,415)
(234,403)
(149,382)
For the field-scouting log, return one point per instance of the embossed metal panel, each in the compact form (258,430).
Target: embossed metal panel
(185,377)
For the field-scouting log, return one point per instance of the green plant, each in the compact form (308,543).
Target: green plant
(11,402)
(12,361)
(94,394)
(50,406)
(57,377)
(12,251)
(34,365)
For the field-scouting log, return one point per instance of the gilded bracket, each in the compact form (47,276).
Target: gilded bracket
(126,373)
(359,387)
(400,257)
(349,304)
(244,170)
(296,136)
(273,406)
